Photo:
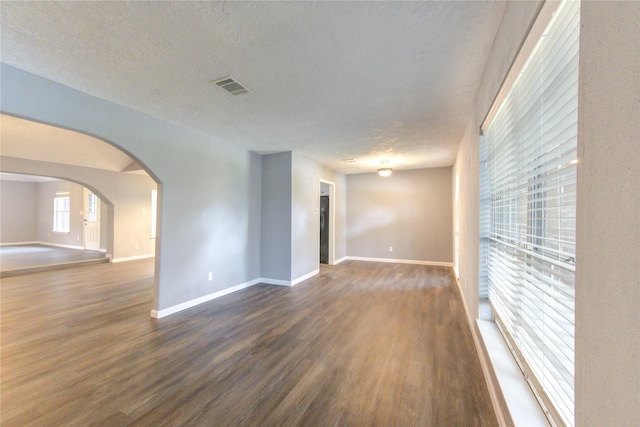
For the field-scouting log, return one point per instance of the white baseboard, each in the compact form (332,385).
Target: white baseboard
(305,277)
(487,370)
(293,282)
(19,243)
(132,258)
(401,261)
(57,245)
(157,314)
(515,405)
(344,258)
(276,282)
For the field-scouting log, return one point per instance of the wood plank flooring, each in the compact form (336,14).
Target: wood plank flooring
(24,259)
(361,344)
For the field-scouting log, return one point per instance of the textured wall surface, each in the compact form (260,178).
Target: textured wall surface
(18,220)
(409,211)
(608,216)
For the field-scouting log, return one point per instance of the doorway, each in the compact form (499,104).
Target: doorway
(326,216)
(324,229)
(91,220)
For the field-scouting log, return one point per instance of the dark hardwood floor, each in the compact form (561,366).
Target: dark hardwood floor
(361,344)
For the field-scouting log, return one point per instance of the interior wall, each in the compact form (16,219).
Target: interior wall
(210,193)
(409,211)
(608,228)
(19,219)
(467,168)
(514,27)
(608,216)
(290,215)
(46,193)
(275,261)
(305,217)
(129,196)
(340,207)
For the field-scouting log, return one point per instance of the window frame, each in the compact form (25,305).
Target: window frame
(61,213)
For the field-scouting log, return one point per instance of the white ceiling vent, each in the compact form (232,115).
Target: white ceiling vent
(231,86)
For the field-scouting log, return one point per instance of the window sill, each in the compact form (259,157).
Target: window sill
(60,232)
(521,404)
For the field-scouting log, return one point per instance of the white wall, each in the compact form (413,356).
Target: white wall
(19,217)
(410,211)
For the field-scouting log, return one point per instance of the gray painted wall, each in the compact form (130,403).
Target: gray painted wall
(608,216)
(608,235)
(290,215)
(409,211)
(210,197)
(126,197)
(46,193)
(305,216)
(19,218)
(340,205)
(275,262)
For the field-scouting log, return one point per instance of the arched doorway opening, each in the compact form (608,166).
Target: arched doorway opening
(124,193)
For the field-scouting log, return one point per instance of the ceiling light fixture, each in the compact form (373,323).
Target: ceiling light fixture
(385,171)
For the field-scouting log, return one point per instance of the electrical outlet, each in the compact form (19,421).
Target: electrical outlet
(390,248)
(137,247)
(210,275)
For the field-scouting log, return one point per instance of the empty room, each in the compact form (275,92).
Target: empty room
(320,213)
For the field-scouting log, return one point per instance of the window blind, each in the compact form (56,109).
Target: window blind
(528,193)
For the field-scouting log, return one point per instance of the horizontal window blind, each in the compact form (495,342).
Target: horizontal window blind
(528,194)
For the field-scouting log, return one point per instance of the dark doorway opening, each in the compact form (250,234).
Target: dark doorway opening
(324,229)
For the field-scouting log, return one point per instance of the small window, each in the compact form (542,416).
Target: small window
(92,207)
(61,212)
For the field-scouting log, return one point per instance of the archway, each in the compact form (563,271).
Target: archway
(123,182)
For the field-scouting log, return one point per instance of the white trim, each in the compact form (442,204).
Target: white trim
(519,406)
(276,282)
(293,282)
(19,243)
(132,258)
(305,277)
(103,251)
(400,261)
(58,245)
(494,390)
(332,219)
(344,258)
(537,29)
(157,314)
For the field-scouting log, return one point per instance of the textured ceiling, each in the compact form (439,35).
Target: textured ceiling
(331,80)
